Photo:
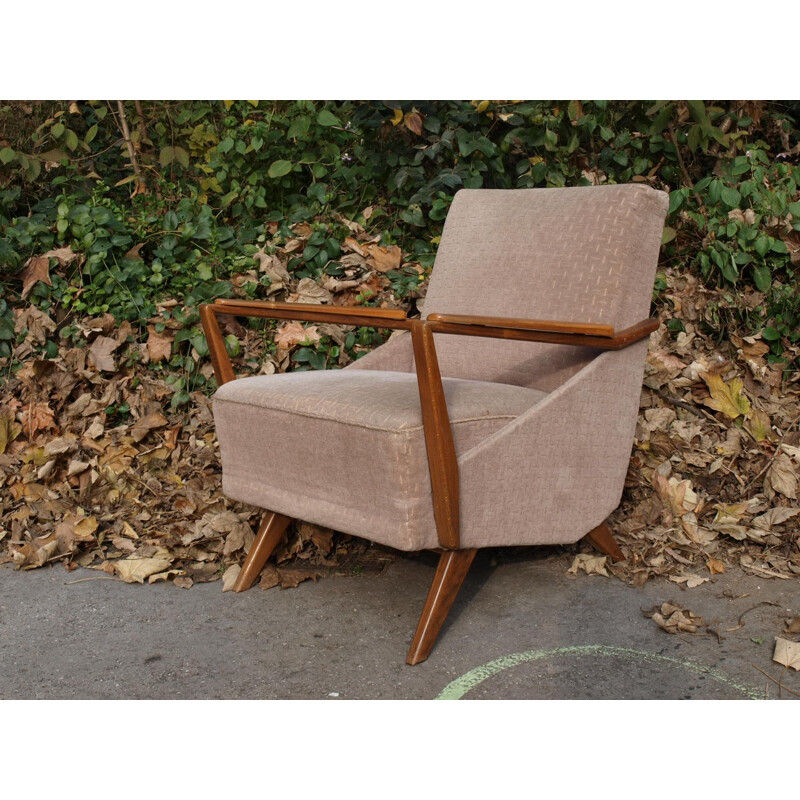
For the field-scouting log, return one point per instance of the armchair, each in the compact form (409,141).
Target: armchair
(488,423)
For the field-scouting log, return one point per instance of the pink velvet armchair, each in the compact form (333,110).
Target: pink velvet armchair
(504,417)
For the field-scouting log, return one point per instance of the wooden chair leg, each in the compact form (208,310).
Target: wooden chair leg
(604,541)
(450,573)
(269,535)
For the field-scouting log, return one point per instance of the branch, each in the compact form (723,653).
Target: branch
(126,135)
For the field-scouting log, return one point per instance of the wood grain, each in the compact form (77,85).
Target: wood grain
(583,328)
(602,538)
(270,533)
(618,341)
(223,369)
(442,463)
(450,573)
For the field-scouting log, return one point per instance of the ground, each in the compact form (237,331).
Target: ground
(523,627)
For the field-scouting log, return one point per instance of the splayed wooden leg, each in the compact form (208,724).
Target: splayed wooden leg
(450,573)
(269,535)
(603,540)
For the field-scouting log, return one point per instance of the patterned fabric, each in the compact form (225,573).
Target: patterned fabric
(543,432)
(348,447)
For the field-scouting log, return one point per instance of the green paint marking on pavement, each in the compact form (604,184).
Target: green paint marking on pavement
(460,686)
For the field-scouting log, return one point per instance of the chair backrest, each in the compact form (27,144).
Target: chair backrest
(583,254)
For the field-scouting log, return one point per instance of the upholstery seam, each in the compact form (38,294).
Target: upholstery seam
(361,424)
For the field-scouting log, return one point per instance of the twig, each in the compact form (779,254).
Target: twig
(98,578)
(126,135)
(780,685)
(697,411)
(685,172)
(741,616)
(679,403)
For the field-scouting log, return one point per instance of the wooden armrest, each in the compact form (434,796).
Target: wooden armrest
(580,334)
(583,328)
(308,312)
(249,306)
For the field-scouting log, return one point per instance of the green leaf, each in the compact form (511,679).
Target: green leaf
(693,139)
(7,155)
(299,128)
(794,208)
(167,156)
(53,155)
(227,199)
(71,139)
(675,201)
(277,169)
(668,235)
(762,278)
(33,169)
(762,245)
(90,134)
(698,111)
(729,269)
(129,179)
(57,130)
(181,156)
(770,334)
(326,118)
(730,197)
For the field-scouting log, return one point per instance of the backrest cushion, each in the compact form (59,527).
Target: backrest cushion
(582,254)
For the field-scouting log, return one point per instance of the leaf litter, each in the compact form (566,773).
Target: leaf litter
(712,482)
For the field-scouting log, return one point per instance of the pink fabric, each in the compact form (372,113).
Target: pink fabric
(348,447)
(345,449)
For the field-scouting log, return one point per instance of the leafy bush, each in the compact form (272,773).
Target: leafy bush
(215,183)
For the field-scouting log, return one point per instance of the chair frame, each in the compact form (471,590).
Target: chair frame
(454,561)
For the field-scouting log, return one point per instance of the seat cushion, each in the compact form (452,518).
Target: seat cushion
(346,449)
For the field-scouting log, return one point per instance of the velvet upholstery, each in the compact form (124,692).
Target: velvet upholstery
(542,432)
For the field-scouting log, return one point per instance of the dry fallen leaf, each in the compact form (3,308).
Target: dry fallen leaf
(269,577)
(787,653)
(147,423)
(37,269)
(64,255)
(163,576)
(792,626)
(691,581)
(759,425)
(9,430)
(36,417)
(590,564)
(309,291)
(100,353)
(292,333)
(678,496)
(159,345)
(775,516)
(413,121)
(674,619)
(384,258)
(782,476)
(726,397)
(135,570)
(229,577)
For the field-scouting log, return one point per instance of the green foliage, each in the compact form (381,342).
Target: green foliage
(216,175)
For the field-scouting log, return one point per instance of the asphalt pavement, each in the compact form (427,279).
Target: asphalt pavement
(520,629)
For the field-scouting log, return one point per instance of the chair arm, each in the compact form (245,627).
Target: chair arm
(442,459)
(581,334)
(341,315)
